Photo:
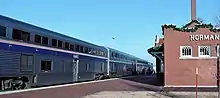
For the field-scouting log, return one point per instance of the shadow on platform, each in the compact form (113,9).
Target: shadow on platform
(144,83)
(146,79)
(150,83)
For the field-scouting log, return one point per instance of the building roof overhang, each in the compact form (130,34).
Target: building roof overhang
(157,49)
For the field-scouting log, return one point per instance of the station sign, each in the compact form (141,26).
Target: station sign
(204,37)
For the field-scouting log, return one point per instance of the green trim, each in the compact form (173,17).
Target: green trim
(191,22)
(156,49)
(183,29)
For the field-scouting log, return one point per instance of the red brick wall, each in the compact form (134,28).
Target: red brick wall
(181,72)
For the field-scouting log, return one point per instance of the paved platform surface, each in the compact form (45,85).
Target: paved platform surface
(132,87)
(150,94)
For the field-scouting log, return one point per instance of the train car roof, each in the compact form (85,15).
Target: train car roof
(126,54)
(37,28)
(134,57)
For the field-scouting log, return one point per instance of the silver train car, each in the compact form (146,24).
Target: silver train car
(34,56)
(144,67)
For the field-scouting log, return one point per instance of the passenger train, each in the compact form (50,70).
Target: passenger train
(34,56)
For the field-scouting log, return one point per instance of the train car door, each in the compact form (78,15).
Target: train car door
(75,68)
(26,63)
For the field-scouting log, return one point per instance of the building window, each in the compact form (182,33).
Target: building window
(2,31)
(45,40)
(67,45)
(186,51)
(60,44)
(26,61)
(38,39)
(21,35)
(54,42)
(204,51)
(46,66)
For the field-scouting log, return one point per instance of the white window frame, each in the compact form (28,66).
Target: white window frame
(208,50)
(181,47)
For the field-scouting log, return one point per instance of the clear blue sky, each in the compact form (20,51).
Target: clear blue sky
(134,23)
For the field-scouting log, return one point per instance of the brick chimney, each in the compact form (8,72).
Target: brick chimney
(193,9)
(156,40)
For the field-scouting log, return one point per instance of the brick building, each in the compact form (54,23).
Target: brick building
(183,49)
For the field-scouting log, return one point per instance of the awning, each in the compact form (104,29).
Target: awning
(156,49)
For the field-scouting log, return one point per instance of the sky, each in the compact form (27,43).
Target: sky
(133,23)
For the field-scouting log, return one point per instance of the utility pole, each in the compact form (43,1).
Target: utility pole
(217,53)
(197,72)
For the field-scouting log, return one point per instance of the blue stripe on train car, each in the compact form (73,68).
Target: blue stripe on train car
(25,49)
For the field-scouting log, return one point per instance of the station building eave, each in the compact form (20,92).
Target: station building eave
(156,50)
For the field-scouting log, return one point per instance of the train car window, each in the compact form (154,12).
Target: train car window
(16,34)
(20,35)
(2,31)
(81,48)
(98,52)
(26,61)
(54,42)
(112,54)
(60,44)
(71,47)
(30,60)
(89,50)
(106,54)
(86,50)
(37,39)
(102,53)
(25,36)
(45,40)
(77,48)
(67,45)
(115,55)
(95,52)
(46,66)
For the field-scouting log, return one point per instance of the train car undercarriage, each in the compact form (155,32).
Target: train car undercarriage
(13,83)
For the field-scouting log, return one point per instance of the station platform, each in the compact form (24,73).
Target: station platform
(79,90)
